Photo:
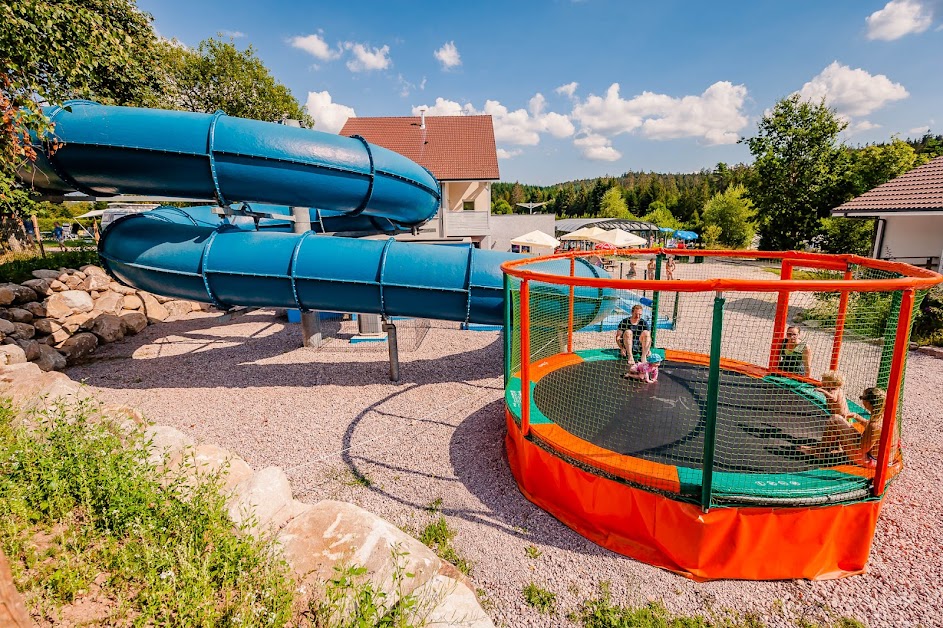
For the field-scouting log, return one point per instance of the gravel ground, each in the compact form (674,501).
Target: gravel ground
(329,418)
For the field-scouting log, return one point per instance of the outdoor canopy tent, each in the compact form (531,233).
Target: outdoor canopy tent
(621,239)
(592,234)
(537,242)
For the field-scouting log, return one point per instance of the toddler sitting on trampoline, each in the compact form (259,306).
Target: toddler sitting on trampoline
(860,447)
(833,389)
(645,371)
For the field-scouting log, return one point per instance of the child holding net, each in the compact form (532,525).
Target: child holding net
(833,389)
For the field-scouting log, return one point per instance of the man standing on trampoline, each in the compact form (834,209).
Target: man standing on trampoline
(634,337)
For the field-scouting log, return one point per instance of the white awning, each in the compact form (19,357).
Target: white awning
(591,234)
(621,239)
(536,238)
(95,213)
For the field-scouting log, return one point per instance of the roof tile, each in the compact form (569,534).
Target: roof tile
(453,148)
(919,189)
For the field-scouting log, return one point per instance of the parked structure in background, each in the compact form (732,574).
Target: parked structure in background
(909,215)
(460,153)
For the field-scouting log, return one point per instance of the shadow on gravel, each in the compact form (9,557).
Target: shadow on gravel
(214,359)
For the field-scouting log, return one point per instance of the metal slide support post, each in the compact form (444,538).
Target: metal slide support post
(525,357)
(656,299)
(885,366)
(782,316)
(895,381)
(569,327)
(840,324)
(310,321)
(710,412)
(390,330)
(674,312)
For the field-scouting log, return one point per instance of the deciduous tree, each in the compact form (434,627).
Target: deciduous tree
(613,205)
(733,214)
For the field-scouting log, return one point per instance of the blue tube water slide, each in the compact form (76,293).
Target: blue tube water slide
(349,184)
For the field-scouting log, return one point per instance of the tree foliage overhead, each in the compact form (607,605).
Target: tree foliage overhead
(798,171)
(732,213)
(613,205)
(219,76)
(53,50)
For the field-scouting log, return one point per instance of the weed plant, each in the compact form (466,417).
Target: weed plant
(83,515)
(438,537)
(541,599)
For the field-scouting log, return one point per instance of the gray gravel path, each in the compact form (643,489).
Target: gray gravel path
(331,417)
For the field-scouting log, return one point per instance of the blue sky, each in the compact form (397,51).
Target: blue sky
(586,88)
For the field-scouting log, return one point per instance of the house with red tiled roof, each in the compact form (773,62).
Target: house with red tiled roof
(909,214)
(459,151)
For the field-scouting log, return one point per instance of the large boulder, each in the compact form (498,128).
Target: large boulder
(17,315)
(108,328)
(12,354)
(42,287)
(23,294)
(212,460)
(23,331)
(36,309)
(7,295)
(451,603)
(6,327)
(261,503)
(133,322)
(165,443)
(82,320)
(95,281)
(73,282)
(156,313)
(92,269)
(79,347)
(52,329)
(109,302)
(50,359)
(132,302)
(30,347)
(58,286)
(28,386)
(176,309)
(46,274)
(337,533)
(63,304)
(114,286)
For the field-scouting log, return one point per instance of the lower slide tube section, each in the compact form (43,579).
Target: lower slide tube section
(816,543)
(170,252)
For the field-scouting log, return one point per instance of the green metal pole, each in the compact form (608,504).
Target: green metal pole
(507,330)
(890,332)
(674,313)
(656,297)
(710,414)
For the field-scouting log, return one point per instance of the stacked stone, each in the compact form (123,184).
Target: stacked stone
(61,316)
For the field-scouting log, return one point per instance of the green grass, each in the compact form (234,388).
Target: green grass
(532,552)
(541,599)
(18,267)
(81,511)
(438,536)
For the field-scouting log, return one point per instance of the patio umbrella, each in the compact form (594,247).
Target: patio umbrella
(605,246)
(687,236)
(621,239)
(586,233)
(536,238)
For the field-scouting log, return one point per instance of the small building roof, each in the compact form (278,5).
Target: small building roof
(920,190)
(452,148)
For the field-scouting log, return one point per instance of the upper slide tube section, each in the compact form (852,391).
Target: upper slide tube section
(124,150)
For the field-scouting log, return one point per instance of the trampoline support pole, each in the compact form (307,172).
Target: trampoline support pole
(674,313)
(894,383)
(569,327)
(782,317)
(507,329)
(840,324)
(525,358)
(885,366)
(656,298)
(713,387)
(393,346)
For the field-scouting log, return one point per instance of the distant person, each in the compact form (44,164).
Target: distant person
(670,266)
(645,371)
(682,245)
(29,230)
(74,230)
(634,337)
(633,271)
(650,272)
(794,356)
(861,448)
(58,234)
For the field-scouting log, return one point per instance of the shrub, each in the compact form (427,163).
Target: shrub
(18,267)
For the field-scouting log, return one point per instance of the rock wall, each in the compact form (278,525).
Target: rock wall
(61,316)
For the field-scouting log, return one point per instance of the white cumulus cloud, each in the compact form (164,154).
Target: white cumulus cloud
(509,154)
(448,56)
(715,116)
(367,58)
(328,116)
(520,127)
(899,18)
(567,90)
(596,147)
(233,34)
(316,46)
(852,92)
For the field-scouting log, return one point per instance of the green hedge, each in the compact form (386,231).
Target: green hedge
(21,267)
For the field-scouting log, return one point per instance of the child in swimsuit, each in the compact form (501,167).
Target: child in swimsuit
(645,371)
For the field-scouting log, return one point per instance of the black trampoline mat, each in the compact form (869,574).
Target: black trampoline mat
(759,424)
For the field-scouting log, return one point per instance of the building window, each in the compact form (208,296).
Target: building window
(468,206)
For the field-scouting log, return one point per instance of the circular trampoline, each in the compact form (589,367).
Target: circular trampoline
(719,469)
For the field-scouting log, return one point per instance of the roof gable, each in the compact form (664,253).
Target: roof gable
(453,148)
(920,189)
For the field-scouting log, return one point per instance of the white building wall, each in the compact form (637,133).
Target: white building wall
(506,227)
(913,239)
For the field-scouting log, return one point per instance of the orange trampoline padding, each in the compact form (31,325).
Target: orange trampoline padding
(757,543)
